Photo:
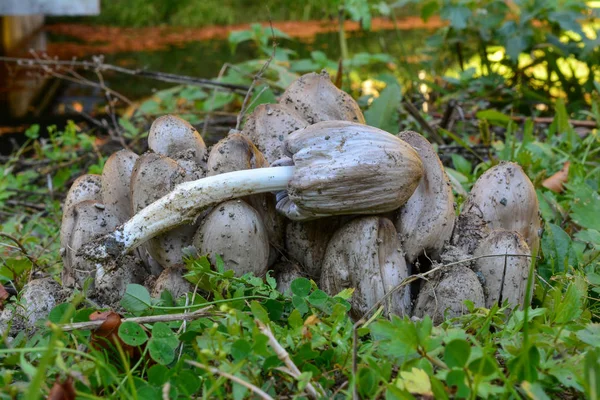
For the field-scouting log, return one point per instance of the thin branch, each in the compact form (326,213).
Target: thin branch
(284,356)
(202,312)
(22,248)
(433,133)
(259,392)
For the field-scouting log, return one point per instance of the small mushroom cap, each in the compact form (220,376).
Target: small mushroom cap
(86,187)
(348,168)
(317,99)
(110,286)
(38,298)
(176,138)
(502,198)
(172,279)
(88,220)
(269,125)
(306,242)
(287,272)
(426,221)
(366,255)
(235,231)
(116,178)
(445,294)
(234,153)
(504,278)
(154,176)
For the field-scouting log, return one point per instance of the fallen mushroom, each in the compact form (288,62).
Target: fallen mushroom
(234,231)
(445,294)
(317,99)
(504,278)
(332,176)
(426,221)
(502,198)
(366,255)
(268,127)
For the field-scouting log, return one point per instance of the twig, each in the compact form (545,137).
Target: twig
(412,110)
(537,120)
(284,356)
(260,393)
(17,203)
(202,312)
(256,78)
(22,248)
(96,64)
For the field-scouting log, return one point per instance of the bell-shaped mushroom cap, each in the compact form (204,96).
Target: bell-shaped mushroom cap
(174,137)
(154,176)
(426,221)
(348,168)
(444,295)
(307,241)
(366,255)
(234,231)
(110,286)
(287,272)
(172,279)
(269,125)
(116,178)
(502,198)
(86,187)
(316,98)
(234,153)
(503,277)
(88,220)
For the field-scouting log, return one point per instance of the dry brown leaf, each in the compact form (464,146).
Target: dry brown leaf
(556,182)
(106,336)
(3,296)
(62,391)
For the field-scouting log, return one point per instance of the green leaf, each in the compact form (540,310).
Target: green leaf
(162,344)
(383,112)
(457,353)
(591,373)
(158,375)
(367,382)
(570,307)
(494,116)
(318,298)
(301,287)
(458,378)
(259,312)
(428,9)
(458,15)
(461,164)
(58,312)
(515,45)
(534,391)
(590,335)
(132,334)
(585,206)
(136,299)
(240,349)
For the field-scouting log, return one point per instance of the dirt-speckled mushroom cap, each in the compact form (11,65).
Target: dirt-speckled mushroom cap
(235,231)
(502,198)
(116,178)
(86,187)
(504,278)
(234,153)
(154,176)
(307,241)
(426,221)
(445,294)
(110,286)
(317,99)
(172,279)
(366,255)
(269,125)
(88,220)
(287,272)
(348,168)
(176,138)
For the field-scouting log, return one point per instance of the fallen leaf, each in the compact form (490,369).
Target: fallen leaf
(556,182)
(106,336)
(62,391)
(3,296)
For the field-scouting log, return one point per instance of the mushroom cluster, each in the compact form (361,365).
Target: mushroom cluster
(305,189)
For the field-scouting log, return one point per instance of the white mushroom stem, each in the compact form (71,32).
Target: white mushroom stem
(182,205)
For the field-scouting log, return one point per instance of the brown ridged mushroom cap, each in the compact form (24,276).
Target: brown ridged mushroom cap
(347,168)
(504,277)
(116,178)
(317,99)
(86,187)
(444,295)
(234,153)
(235,232)
(366,255)
(269,125)
(426,221)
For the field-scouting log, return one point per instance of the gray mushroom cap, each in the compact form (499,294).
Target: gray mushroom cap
(502,198)
(426,221)
(348,168)
(234,153)
(176,138)
(287,272)
(504,278)
(116,178)
(172,279)
(317,99)
(269,125)
(235,231)
(445,294)
(86,187)
(366,255)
